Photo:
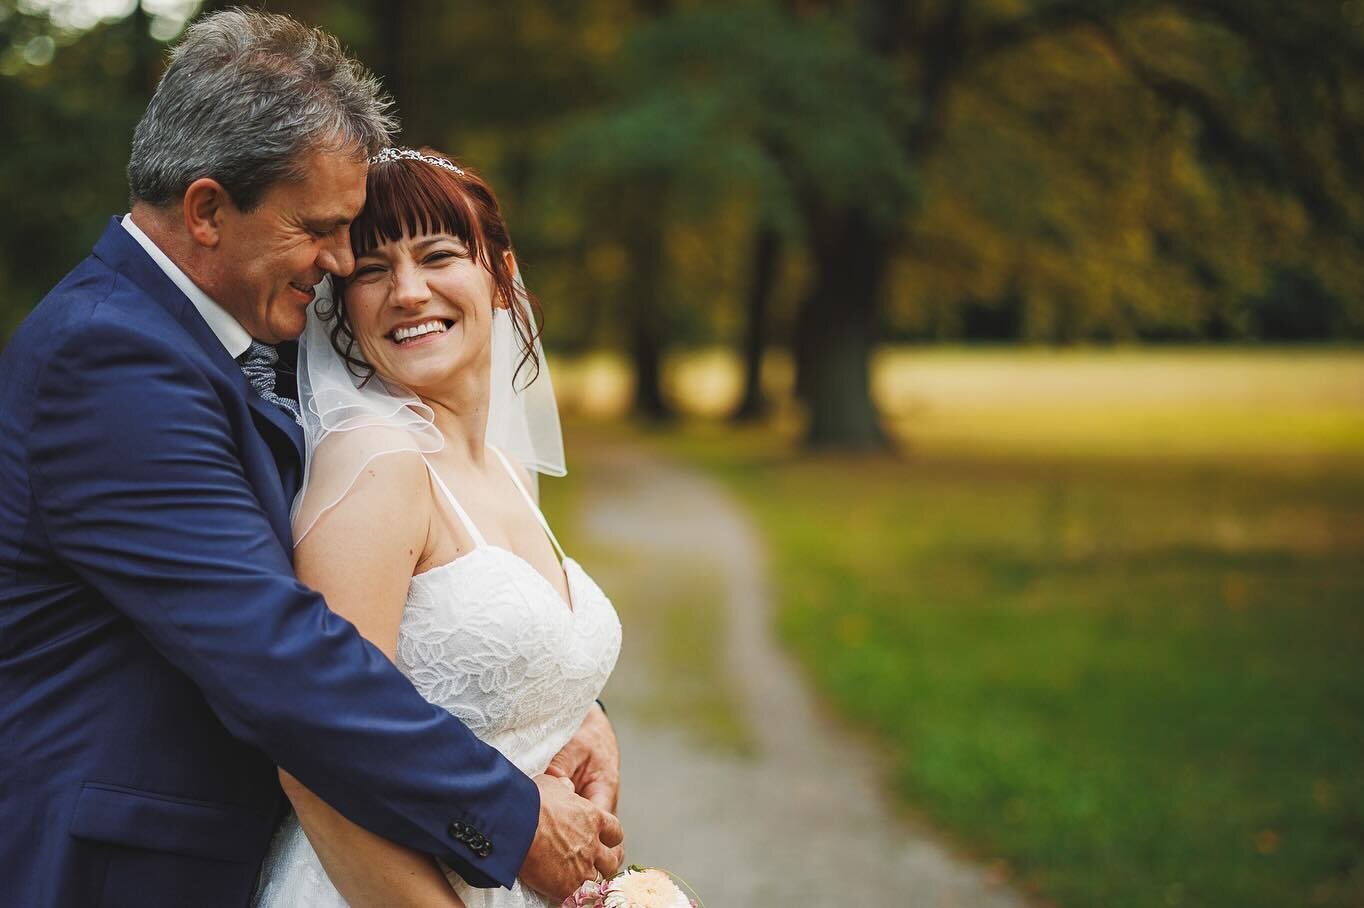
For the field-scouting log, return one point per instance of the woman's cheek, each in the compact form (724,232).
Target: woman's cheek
(362,318)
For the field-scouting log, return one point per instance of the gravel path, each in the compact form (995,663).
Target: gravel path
(801,821)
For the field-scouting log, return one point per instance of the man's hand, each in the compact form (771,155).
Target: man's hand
(575,841)
(591,760)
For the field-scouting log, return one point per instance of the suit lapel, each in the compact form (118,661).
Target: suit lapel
(122,253)
(276,419)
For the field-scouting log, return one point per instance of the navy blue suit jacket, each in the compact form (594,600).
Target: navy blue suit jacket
(157,656)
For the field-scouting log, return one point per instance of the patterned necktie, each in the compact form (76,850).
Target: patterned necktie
(258,365)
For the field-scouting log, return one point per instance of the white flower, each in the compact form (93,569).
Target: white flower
(644,889)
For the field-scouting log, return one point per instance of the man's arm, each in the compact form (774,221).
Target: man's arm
(140,490)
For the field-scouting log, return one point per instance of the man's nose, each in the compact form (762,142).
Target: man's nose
(336,258)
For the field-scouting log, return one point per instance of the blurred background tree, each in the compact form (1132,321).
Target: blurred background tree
(819,176)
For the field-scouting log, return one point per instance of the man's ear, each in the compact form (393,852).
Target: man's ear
(204,204)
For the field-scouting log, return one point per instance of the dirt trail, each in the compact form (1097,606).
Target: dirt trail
(803,819)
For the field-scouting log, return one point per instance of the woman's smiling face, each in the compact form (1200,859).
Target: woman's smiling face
(421,311)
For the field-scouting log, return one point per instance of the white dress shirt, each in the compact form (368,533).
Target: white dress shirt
(227,329)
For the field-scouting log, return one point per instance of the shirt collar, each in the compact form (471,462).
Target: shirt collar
(227,329)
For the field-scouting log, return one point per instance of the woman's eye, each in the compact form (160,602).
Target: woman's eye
(438,256)
(366,271)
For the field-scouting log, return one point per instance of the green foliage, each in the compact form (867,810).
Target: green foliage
(69,123)
(1146,170)
(720,117)
(1050,170)
(797,98)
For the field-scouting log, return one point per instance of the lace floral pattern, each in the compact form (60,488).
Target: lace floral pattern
(513,662)
(490,640)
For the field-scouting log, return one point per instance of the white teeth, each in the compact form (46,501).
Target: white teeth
(402,334)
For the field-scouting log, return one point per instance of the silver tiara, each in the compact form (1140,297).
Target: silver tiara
(411,154)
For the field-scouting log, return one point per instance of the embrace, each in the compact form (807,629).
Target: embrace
(281,622)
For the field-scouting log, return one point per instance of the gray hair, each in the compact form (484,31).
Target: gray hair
(246,98)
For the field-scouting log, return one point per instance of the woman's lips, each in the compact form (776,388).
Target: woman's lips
(422,339)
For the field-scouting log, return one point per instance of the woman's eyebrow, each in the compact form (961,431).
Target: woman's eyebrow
(438,238)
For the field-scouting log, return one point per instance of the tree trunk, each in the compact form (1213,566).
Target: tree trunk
(836,332)
(838,321)
(645,303)
(766,256)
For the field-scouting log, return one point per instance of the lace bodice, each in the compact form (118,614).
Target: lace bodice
(517,665)
(489,639)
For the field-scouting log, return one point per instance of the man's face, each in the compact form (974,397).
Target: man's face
(269,259)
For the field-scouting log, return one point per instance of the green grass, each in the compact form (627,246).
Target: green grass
(1136,675)
(691,688)
(1138,687)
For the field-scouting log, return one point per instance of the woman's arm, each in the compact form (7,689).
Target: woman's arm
(361,556)
(368,871)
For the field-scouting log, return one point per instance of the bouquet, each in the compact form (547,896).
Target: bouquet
(633,887)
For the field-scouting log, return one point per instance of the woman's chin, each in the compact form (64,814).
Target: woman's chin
(417,379)
(412,358)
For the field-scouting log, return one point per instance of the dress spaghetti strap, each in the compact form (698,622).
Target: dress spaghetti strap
(459,511)
(535,509)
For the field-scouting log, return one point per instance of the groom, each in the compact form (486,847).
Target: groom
(158,660)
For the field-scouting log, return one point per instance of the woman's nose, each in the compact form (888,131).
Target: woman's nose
(409,287)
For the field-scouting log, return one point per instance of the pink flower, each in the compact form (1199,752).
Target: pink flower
(588,895)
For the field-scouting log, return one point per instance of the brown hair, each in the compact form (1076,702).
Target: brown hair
(406,197)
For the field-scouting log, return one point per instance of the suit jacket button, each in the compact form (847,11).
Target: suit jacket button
(458,831)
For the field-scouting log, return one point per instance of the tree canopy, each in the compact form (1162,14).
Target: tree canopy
(825,175)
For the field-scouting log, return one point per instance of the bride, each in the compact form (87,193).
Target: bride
(426,399)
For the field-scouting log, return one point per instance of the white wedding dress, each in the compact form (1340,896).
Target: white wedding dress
(489,639)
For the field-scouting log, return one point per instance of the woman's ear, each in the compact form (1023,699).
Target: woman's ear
(508,259)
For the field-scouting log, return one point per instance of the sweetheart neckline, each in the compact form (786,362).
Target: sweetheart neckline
(568,577)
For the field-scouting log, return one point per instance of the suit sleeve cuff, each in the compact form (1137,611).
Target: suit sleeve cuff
(491,854)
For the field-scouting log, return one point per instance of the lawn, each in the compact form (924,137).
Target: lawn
(1116,642)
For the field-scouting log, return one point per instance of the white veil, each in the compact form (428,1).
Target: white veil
(348,421)
(523,415)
